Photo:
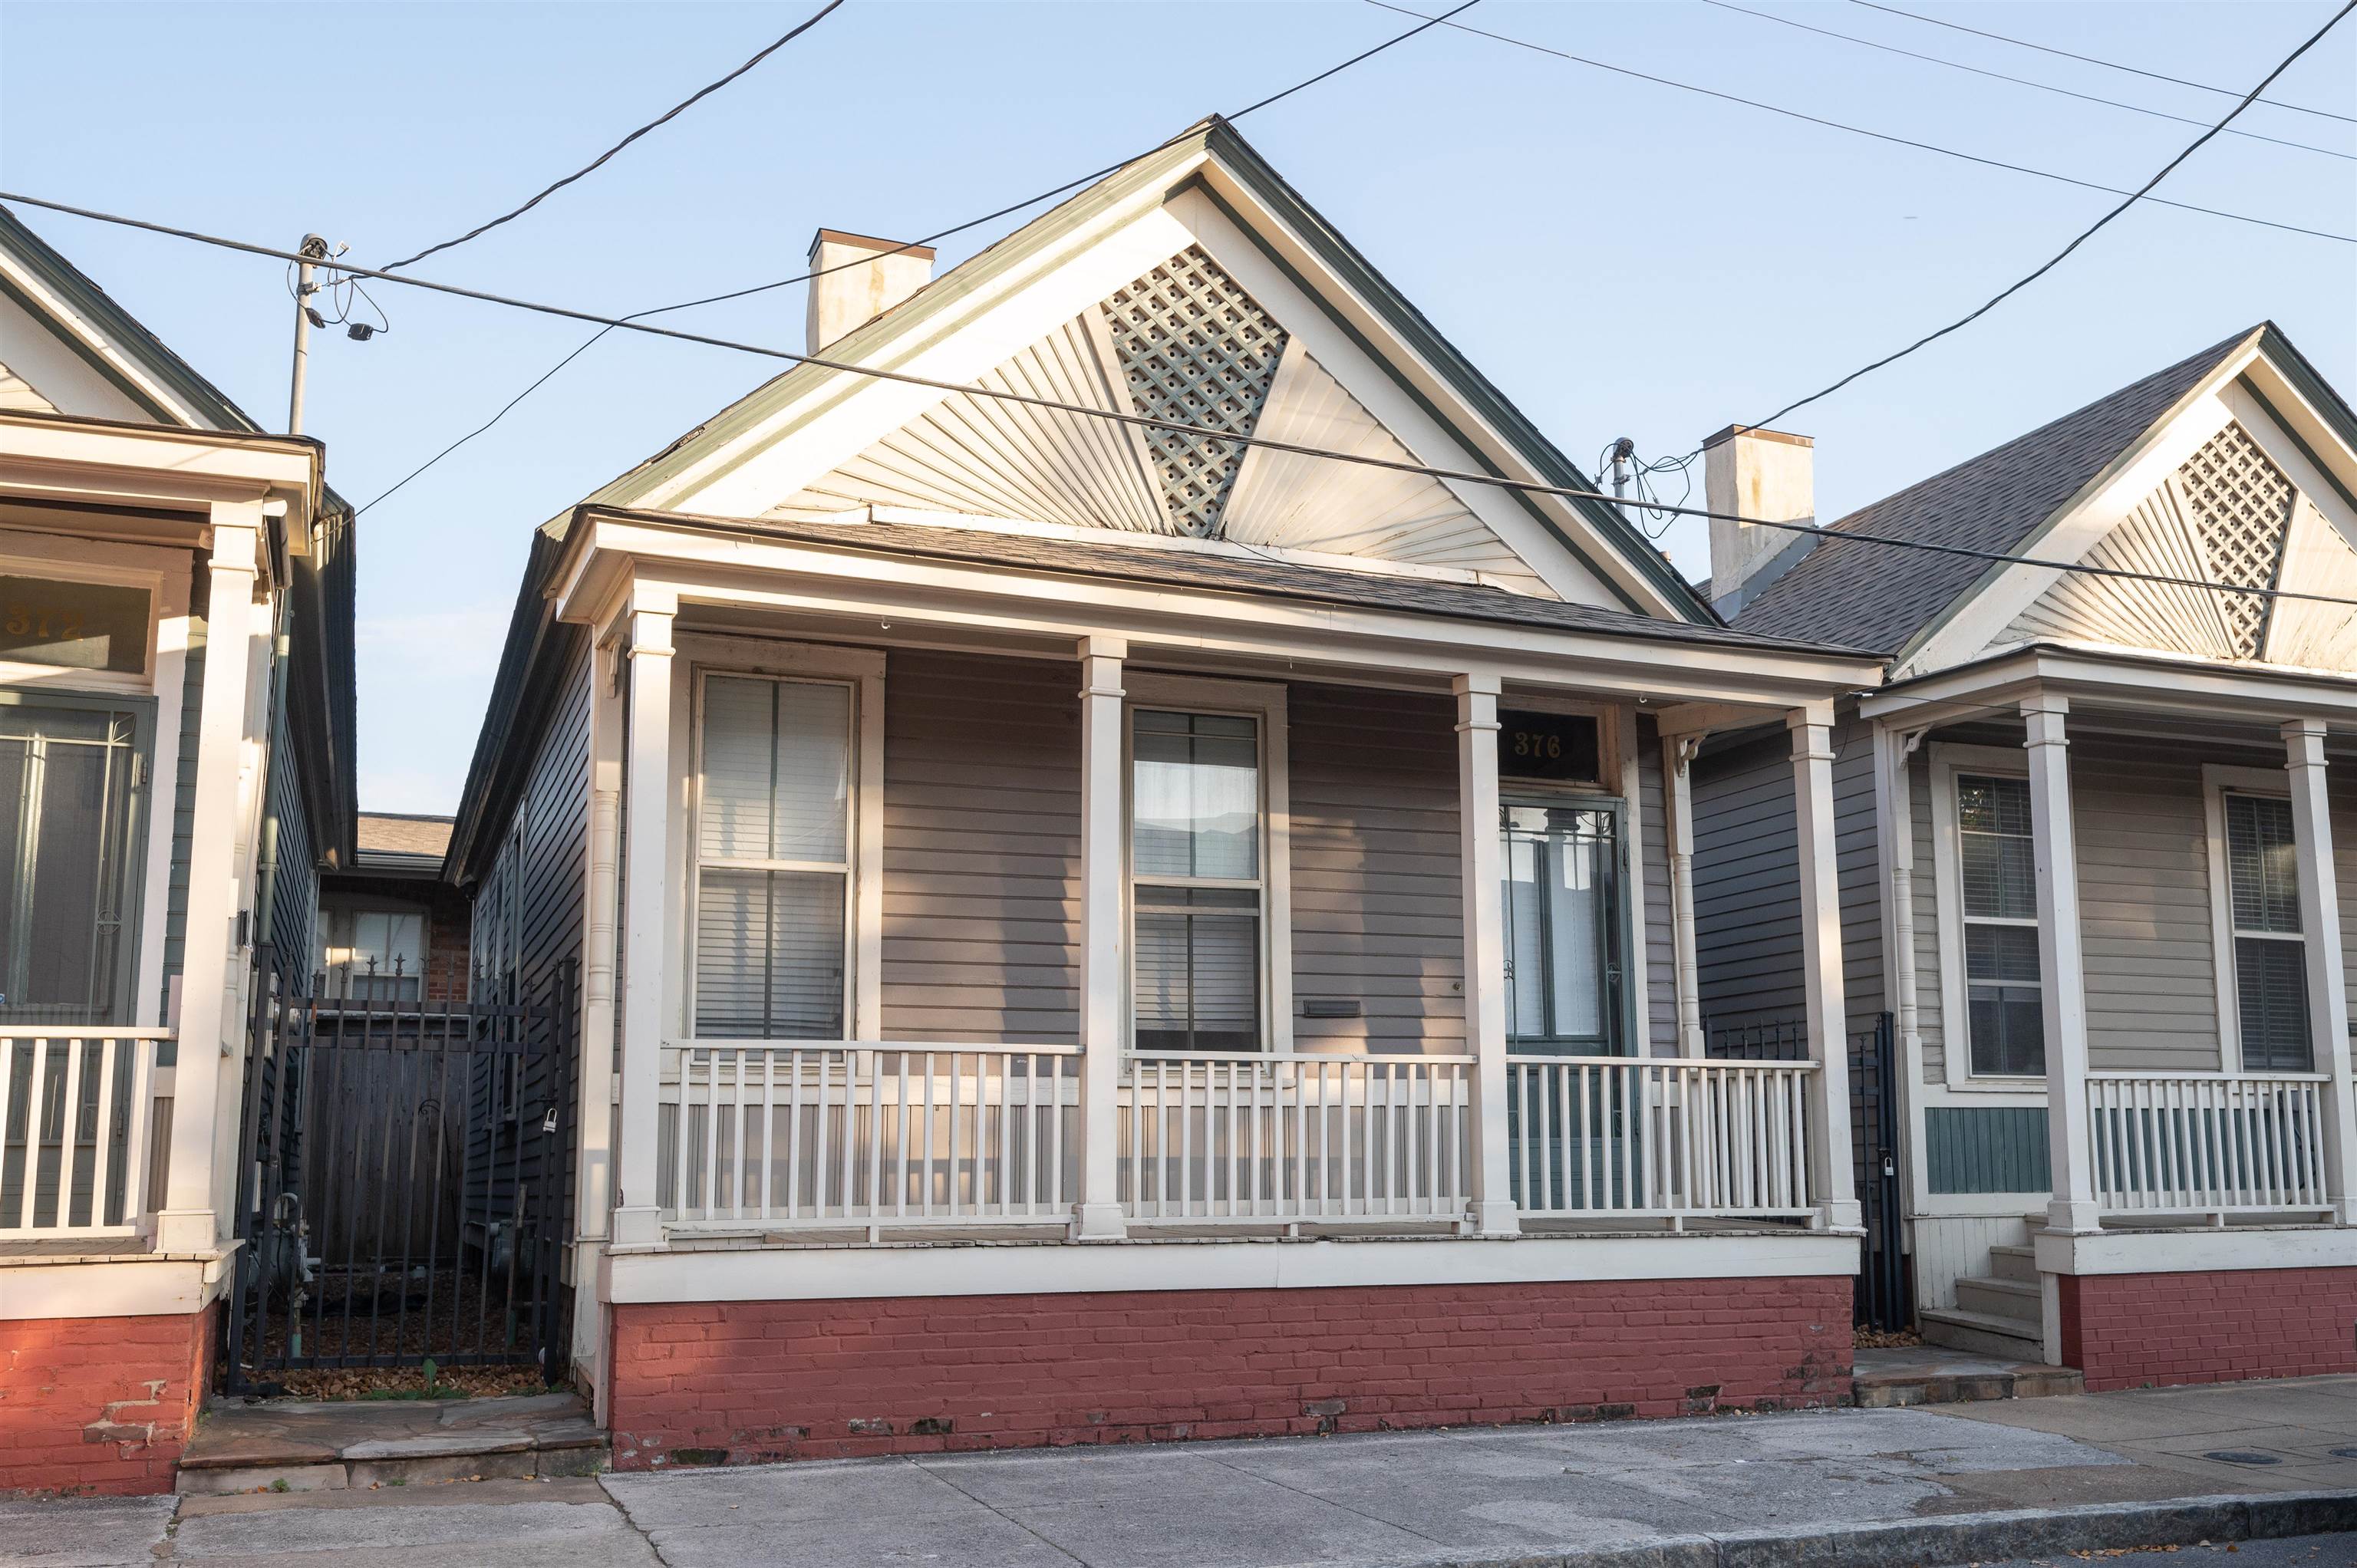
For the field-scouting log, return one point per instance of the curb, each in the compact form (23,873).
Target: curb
(1966,1538)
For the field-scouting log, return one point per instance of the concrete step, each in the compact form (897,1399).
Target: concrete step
(1926,1374)
(1961,1329)
(2016,1299)
(321,1446)
(2014,1263)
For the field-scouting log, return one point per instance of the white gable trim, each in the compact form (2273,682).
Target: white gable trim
(1977,624)
(964,335)
(55,356)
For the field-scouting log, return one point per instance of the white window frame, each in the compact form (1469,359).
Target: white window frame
(2218,781)
(1265,703)
(1949,761)
(342,913)
(701,655)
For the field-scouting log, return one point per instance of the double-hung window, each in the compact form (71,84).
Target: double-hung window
(373,955)
(2004,985)
(1197,885)
(774,846)
(2270,953)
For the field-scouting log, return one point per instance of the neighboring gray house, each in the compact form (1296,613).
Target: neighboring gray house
(2087,832)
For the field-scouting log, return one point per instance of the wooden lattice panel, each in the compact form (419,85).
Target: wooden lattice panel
(2242,508)
(1193,346)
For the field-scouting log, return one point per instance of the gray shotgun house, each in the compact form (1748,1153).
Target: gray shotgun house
(1090,930)
(2097,860)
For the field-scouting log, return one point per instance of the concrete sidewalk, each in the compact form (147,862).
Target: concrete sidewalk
(2011,1479)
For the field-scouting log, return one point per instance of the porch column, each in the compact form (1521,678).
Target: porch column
(211,953)
(1821,963)
(1104,948)
(1480,860)
(1682,750)
(2062,979)
(2328,984)
(593,1186)
(637,1219)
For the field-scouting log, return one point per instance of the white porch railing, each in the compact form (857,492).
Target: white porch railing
(76,1111)
(1659,1136)
(2207,1144)
(1216,1137)
(778,1134)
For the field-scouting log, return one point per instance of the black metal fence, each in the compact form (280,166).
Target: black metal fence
(1885,1286)
(406,1188)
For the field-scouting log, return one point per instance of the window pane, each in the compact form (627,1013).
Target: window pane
(776,770)
(1575,925)
(1198,979)
(80,626)
(1999,856)
(1527,976)
(2008,1030)
(2271,993)
(1195,796)
(2262,864)
(768,954)
(1986,805)
(2001,952)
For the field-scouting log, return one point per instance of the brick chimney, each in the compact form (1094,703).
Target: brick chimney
(874,276)
(1760,474)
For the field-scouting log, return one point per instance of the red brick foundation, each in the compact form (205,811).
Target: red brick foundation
(2128,1331)
(741,1382)
(101,1404)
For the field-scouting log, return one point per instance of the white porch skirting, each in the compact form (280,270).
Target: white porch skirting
(1026,1268)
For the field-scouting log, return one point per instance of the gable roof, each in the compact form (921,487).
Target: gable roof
(1877,597)
(401,842)
(322,698)
(535,647)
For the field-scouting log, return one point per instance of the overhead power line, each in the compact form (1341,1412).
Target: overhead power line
(2018,81)
(593,165)
(1862,131)
(2091,59)
(549,374)
(1205,432)
(2088,233)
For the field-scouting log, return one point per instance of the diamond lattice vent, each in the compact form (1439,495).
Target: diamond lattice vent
(2241,509)
(1193,346)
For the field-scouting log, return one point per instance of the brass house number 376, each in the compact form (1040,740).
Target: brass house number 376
(1538,747)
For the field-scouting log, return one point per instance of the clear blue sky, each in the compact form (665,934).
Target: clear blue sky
(1621,258)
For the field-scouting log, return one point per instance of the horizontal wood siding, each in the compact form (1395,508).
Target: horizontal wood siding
(982,849)
(2144,908)
(1859,862)
(1931,1025)
(184,785)
(1378,913)
(1746,882)
(1660,934)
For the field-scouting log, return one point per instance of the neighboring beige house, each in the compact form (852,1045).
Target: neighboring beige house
(176,731)
(2098,859)
(1198,911)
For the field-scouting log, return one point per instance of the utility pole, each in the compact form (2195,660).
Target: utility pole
(314,250)
(1622,450)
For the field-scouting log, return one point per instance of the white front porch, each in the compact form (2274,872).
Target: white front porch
(804,1153)
(2179,974)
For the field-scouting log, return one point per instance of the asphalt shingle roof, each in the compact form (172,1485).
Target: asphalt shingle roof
(1250,574)
(1874,596)
(386,834)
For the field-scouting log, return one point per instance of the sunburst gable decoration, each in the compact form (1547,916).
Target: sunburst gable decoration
(1194,347)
